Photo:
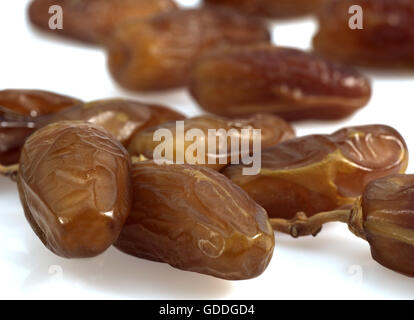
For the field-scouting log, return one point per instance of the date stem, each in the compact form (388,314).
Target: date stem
(302,225)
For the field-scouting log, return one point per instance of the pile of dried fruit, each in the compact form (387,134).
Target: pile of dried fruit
(86,174)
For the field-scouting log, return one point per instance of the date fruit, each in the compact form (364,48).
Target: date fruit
(32,103)
(158,53)
(273,131)
(384,217)
(272,8)
(386,39)
(74,185)
(290,83)
(122,118)
(320,173)
(197,220)
(92,20)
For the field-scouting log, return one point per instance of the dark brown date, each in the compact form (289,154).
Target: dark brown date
(32,103)
(158,53)
(272,8)
(92,20)
(74,185)
(320,173)
(386,40)
(122,118)
(273,131)
(290,83)
(197,220)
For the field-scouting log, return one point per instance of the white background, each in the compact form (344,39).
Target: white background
(334,265)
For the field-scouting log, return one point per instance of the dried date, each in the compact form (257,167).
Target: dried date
(158,53)
(272,8)
(385,40)
(122,118)
(31,103)
(290,83)
(92,20)
(383,216)
(273,131)
(197,220)
(74,185)
(319,173)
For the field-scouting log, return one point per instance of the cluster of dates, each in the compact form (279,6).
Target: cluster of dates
(85,172)
(82,191)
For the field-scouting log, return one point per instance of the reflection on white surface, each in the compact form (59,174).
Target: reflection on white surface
(334,265)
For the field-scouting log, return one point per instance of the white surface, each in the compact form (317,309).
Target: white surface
(334,265)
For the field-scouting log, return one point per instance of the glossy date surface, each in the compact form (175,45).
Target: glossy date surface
(74,185)
(273,131)
(197,220)
(320,173)
(290,83)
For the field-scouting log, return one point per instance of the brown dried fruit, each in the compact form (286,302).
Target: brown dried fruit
(195,219)
(273,129)
(272,8)
(158,53)
(92,20)
(386,40)
(384,216)
(322,172)
(30,103)
(122,118)
(291,83)
(74,185)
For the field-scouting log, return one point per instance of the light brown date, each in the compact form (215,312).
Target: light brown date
(93,20)
(158,53)
(74,185)
(290,83)
(320,173)
(385,40)
(272,8)
(197,220)
(273,131)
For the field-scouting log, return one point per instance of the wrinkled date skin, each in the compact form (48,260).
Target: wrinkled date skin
(290,83)
(272,8)
(385,218)
(321,173)
(158,53)
(74,184)
(26,103)
(197,220)
(386,40)
(273,131)
(92,20)
(122,118)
